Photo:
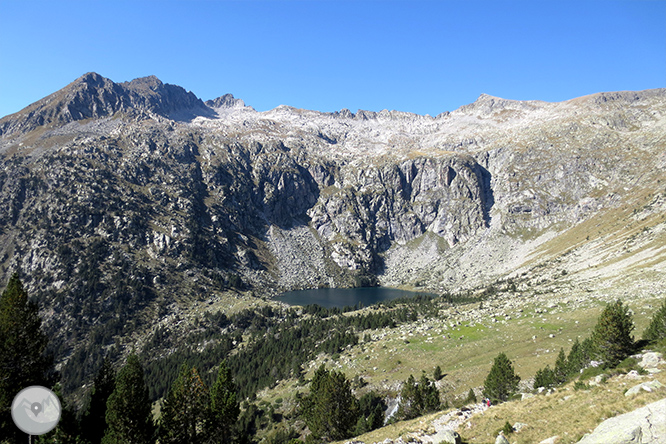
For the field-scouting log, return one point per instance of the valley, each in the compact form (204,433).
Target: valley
(144,219)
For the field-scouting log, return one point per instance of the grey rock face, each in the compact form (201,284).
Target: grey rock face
(646,425)
(225,101)
(92,96)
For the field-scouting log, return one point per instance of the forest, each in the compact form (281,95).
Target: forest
(209,396)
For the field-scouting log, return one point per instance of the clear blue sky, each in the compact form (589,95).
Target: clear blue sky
(419,56)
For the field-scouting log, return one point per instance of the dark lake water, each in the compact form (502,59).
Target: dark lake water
(343,297)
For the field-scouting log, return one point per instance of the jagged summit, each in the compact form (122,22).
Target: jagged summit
(94,96)
(226,101)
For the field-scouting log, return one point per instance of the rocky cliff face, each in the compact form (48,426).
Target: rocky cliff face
(120,199)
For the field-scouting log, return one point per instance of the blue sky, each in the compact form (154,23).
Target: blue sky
(418,56)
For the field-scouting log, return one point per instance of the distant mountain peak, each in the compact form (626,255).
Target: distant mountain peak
(95,96)
(226,101)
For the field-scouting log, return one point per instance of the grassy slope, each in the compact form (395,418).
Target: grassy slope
(530,327)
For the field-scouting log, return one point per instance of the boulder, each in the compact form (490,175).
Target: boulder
(551,440)
(646,425)
(501,439)
(649,386)
(446,436)
(651,360)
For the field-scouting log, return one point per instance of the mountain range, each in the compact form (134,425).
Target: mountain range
(126,201)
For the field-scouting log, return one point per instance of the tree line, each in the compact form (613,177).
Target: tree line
(610,343)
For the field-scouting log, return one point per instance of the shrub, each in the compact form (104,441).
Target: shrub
(579,385)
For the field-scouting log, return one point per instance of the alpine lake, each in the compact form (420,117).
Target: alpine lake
(344,297)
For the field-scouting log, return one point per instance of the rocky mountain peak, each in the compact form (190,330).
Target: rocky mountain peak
(487,106)
(93,96)
(225,101)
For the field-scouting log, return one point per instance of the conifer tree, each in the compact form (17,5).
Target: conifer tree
(429,395)
(68,429)
(330,410)
(544,378)
(561,368)
(502,382)
(23,361)
(224,409)
(657,328)
(437,373)
(410,399)
(418,398)
(471,396)
(128,410)
(371,413)
(93,423)
(611,336)
(185,410)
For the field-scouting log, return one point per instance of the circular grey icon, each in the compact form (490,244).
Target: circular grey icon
(36,410)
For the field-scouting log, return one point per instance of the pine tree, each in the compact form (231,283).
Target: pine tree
(544,378)
(502,382)
(657,328)
(560,372)
(418,398)
(224,407)
(23,361)
(371,413)
(611,336)
(185,410)
(429,395)
(330,410)
(471,397)
(93,423)
(437,373)
(410,399)
(128,410)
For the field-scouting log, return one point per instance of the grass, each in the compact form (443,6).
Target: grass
(567,413)
(464,346)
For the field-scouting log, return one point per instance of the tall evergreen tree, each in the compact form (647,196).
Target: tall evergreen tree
(410,399)
(418,398)
(429,395)
(330,410)
(561,370)
(93,423)
(502,382)
(185,410)
(657,328)
(128,410)
(611,336)
(544,377)
(23,361)
(371,413)
(224,409)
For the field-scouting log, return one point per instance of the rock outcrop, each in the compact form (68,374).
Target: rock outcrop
(646,425)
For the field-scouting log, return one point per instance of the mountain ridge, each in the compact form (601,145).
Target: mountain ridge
(126,202)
